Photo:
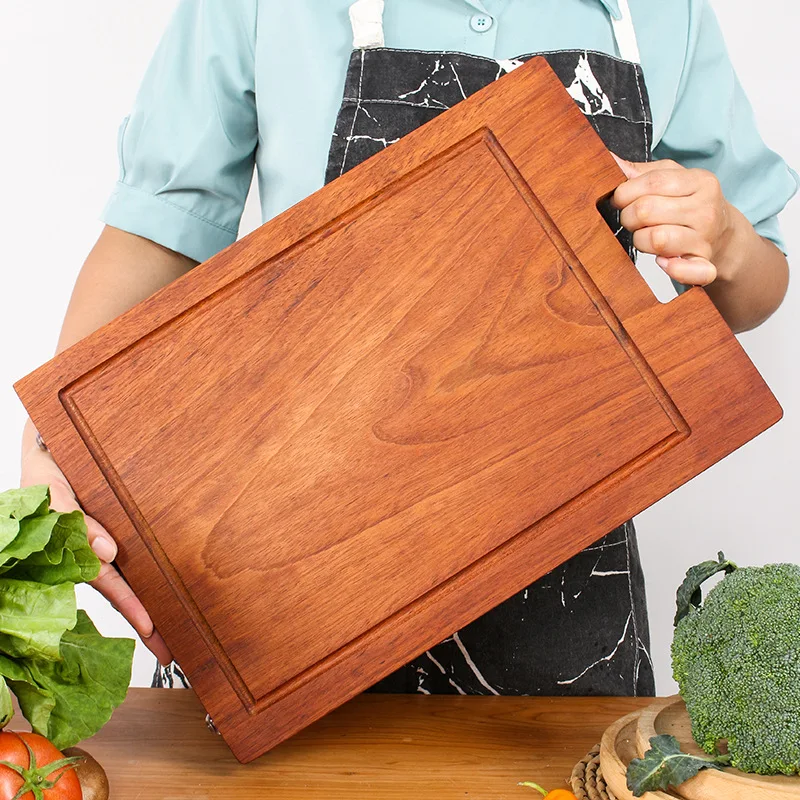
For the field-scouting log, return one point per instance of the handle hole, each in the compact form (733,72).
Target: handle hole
(658,280)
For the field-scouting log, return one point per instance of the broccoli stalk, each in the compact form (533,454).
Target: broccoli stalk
(736,659)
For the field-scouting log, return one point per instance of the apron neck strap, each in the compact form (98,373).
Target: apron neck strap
(625,34)
(366,17)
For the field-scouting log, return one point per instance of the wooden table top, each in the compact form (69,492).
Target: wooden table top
(381,747)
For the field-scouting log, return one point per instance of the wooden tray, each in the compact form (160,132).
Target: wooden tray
(390,408)
(617,749)
(669,716)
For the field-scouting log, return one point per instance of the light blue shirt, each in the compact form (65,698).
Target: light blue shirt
(241,83)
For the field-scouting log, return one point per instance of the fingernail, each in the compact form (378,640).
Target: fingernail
(662,262)
(104,549)
(627,167)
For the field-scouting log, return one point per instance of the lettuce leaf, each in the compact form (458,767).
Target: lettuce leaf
(66,557)
(34,618)
(35,702)
(31,536)
(31,501)
(6,708)
(67,677)
(9,528)
(69,700)
(38,544)
(18,504)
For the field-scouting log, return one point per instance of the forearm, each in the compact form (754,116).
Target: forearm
(119,272)
(752,276)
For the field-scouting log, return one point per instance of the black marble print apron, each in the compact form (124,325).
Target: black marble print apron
(582,629)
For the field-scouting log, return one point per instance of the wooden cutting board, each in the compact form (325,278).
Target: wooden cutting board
(390,408)
(669,716)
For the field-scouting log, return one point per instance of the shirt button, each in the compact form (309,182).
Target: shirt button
(481,23)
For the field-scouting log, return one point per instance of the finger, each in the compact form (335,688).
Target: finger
(101,541)
(643,167)
(633,169)
(158,647)
(114,588)
(104,546)
(663,182)
(692,271)
(652,210)
(629,168)
(671,241)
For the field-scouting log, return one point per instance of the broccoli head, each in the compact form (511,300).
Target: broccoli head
(736,659)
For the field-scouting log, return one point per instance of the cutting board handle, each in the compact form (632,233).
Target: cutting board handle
(566,168)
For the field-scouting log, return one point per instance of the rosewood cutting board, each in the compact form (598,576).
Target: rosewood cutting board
(390,408)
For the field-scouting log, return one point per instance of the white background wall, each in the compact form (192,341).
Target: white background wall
(68,74)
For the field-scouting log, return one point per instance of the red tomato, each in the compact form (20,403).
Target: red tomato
(35,771)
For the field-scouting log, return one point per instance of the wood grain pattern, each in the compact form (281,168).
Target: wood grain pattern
(376,747)
(390,408)
(669,716)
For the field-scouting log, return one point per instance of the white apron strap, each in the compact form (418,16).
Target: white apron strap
(366,17)
(625,34)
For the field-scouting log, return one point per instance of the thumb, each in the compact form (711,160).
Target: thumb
(629,169)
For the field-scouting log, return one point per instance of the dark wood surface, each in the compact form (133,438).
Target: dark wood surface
(389,409)
(376,747)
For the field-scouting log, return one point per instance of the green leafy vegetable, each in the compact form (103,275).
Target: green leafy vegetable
(18,504)
(67,677)
(73,698)
(66,557)
(32,501)
(665,765)
(36,704)
(6,709)
(31,535)
(33,618)
(9,528)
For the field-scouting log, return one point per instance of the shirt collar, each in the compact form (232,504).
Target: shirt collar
(612,6)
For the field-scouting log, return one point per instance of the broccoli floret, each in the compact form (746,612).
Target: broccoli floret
(736,660)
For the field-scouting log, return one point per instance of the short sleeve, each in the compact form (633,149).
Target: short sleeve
(187,149)
(712,126)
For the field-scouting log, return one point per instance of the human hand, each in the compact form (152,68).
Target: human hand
(38,467)
(679,215)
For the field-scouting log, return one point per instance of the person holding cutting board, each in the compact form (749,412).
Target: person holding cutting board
(238,84)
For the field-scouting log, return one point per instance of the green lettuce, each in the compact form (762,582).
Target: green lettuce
(30,536)
(31,501)
(6,708)
(67,677)
(66,557)
(36,705)
(19,504)
(71,699)
(34,617)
